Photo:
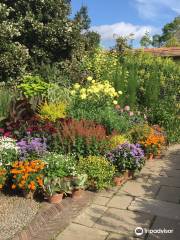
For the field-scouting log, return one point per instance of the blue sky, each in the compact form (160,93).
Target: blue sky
(121,17)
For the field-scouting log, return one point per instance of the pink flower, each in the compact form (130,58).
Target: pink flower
(1,130)
(131,114)
(127,108)
(7,134)
(117,107)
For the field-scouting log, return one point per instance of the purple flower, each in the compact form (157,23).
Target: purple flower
(32,147)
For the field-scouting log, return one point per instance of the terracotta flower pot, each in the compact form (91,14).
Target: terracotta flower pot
(130,174)
(118,181)
(126,175)
(77,193)
(56,198)
(151,156)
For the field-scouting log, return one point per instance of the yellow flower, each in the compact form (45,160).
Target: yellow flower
(115,102)
(83,96)
(76,86)
(89,78)
(120,92)
(73,92)
(93,81)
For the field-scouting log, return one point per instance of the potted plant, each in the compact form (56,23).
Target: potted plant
(58,175)
(119,179)
(78,184)
(153,144)
(27,176)
(53,189)
(127,158)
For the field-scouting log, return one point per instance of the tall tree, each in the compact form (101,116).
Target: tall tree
(45,28)
(146,40)
(83,18)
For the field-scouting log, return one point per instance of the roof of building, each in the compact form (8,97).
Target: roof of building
(167,52)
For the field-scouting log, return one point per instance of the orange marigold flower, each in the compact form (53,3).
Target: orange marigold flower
(13,186)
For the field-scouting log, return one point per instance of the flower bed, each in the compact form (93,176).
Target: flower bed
(62,153)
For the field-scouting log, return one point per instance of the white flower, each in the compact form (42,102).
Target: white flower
(120,92)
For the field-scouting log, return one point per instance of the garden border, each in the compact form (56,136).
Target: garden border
(47,224)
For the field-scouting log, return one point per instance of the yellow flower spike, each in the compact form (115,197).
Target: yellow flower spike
(89,78)
(76,86)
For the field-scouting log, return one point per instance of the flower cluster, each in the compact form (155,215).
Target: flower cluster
(96,90)
(3,173)
(27,175)
(153,143)
(8,150)
(33,147)
(127,157)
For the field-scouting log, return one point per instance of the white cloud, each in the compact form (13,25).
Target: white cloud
(109,32)
(154,8)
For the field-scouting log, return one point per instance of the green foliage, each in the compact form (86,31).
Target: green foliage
(52,111)
(13,55)
(146,40)
(82,18)
(5,100)
(100,172)
(116,140)
(32,86)
(139,133)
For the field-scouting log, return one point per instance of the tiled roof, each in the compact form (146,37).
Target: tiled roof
(167,52)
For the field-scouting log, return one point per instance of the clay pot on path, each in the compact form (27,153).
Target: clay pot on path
(56,198)
(151,156)
(118,181)
(77,193)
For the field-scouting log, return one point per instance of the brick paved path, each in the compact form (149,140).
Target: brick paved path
(152,201)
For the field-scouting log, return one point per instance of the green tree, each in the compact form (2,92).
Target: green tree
(146,40)
(13,55)
(170,36)
(45,28)
(156,40)
(83,18)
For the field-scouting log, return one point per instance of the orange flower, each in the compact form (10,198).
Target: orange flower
(13,186)
(1,186)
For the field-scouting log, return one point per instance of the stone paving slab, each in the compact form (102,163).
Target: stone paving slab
(90,215)
(114,236)
(168,224)
(170,194)
(156,207)
(99,200)
(165,181)
(137,189)
(106,193)
(123,221)
(171,173)
(79,232)
(122,201)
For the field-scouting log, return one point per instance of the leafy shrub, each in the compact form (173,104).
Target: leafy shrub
(116,140)
(52,111)
(139,133)
(100,172)
(32,86)
(5,99)
(127,157)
